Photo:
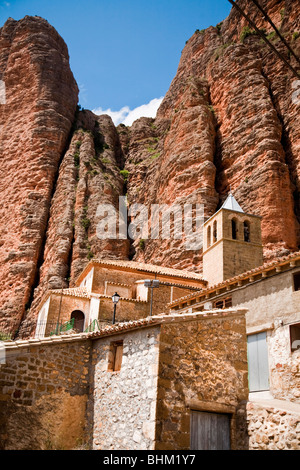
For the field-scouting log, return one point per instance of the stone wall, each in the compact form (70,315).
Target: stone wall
(271,428)
(232,257)
(123,405)
(202,366)
(43,394)
(127,310)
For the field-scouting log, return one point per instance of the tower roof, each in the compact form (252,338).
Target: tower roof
(232,204)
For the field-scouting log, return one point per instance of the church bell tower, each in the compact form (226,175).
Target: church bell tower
(232,243)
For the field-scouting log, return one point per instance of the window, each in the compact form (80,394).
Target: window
(234,229)
(223,303)
(208,236)
(246,231)
(295,336)
(115,356)
(215,232)
(297,281)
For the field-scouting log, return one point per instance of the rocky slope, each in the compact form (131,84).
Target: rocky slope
(228,120)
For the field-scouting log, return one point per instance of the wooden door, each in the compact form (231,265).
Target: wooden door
(210,431)
(258,364)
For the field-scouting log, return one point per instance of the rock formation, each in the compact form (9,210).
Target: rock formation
(41,98)
(229,119)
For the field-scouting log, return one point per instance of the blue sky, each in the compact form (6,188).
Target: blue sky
(123,53)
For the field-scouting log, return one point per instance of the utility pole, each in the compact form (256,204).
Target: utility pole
(151,285)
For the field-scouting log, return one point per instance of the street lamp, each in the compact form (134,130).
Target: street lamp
(115,299)
(151,285)
(61,295)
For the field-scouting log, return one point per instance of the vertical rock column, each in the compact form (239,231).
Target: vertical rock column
(35,121)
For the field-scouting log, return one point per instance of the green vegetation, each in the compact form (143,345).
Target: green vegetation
(271,36)
(85,222)
(90,255)
(76,159)
(295,35)
(219,27)
(212,109)
(246,31)
(282,14)
(125,174)
(142,244)
(5,336)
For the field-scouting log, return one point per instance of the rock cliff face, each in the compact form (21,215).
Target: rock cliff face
(35,122)
(229,119)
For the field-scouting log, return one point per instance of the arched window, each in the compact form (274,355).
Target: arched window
(246,231)
(78,320)
(208,236)
(234,229)
(215,231)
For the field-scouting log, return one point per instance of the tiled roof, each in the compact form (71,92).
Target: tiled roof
(119,327)
(123,327)
(146,268)
(82,293)
(74,292)
(248,274)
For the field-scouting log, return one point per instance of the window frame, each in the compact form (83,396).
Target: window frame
(115,356)
(296,281)
(294,331)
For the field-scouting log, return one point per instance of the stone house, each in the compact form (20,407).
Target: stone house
(90,300)
(145,384)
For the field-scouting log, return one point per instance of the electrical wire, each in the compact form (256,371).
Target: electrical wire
(276,30)
(297,74)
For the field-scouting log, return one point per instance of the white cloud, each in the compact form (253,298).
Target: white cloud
(127,116)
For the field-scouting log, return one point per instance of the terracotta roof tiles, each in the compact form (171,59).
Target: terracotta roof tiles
(265,267)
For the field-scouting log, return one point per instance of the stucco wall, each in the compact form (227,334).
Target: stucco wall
(269,300)
(61,309)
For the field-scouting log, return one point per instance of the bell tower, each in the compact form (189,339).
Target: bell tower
(232,243)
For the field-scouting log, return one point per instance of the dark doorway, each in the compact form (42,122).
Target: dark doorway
(78,320)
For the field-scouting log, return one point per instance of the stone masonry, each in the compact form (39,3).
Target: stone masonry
(124,403)
(43,394)
(65,392)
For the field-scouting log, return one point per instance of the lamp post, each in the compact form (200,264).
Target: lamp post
(151,285)
(61,295)
(115,299)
